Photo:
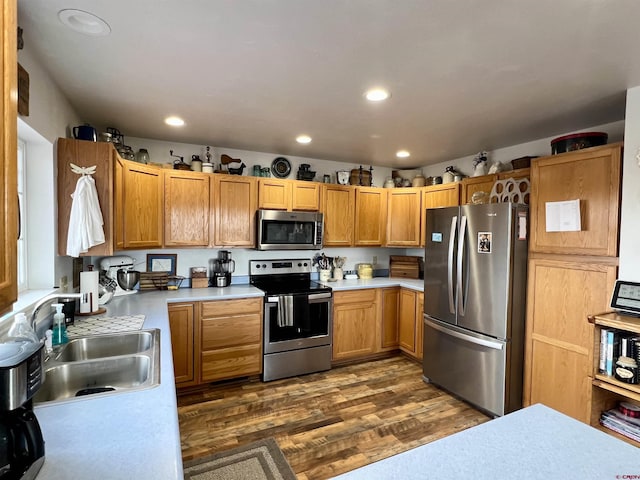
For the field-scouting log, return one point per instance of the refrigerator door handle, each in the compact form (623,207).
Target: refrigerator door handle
(467,338)
(452,241)
(460,265)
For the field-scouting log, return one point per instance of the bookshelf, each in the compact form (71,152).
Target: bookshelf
(608,391)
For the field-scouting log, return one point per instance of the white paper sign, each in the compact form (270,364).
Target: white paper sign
(563,216)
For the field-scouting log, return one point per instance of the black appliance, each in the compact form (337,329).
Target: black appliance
(297,318)
(21,441)
(221,269)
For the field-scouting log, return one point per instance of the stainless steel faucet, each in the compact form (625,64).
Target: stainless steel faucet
(42,302)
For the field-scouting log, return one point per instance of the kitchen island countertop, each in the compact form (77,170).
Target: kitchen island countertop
(127,435)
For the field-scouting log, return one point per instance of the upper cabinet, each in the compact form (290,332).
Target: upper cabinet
(186,208)
(436,196)
(290,195)
(472,185)
(140,199)
(592,176)
(8,178)
(403,217)
(86,154)
(371,216)
(234,201)
(338,206)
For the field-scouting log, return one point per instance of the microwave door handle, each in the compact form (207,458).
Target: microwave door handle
(452,241)
(461,251)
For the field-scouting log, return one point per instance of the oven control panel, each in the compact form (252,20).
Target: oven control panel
(271,267)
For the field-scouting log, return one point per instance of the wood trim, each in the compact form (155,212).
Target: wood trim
(560,343)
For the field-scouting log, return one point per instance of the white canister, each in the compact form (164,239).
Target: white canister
(196,165)
(325,274)
(207,167)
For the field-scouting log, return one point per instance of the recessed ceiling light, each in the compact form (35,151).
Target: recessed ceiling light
(377,94)
(174,121)
(402,154)
(84,22)
(303,139)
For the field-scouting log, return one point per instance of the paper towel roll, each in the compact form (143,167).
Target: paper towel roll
(89,291)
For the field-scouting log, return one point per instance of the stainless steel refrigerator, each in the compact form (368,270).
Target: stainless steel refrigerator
(475,270)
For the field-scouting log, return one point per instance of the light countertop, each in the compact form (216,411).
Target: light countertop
(535,443)
(376,282)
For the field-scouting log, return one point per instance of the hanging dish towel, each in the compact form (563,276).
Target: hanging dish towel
(85,221)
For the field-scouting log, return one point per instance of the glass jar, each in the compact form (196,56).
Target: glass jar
(142,156)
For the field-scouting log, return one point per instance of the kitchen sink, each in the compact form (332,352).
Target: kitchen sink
(100,346)
(102,365)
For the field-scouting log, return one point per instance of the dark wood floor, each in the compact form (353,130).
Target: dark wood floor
(325,423)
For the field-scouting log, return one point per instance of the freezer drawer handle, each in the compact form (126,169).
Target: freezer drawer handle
(452,238)
(466,338)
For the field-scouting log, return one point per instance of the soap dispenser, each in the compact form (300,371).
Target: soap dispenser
(59,329)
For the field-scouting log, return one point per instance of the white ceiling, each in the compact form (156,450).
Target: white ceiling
(465,75)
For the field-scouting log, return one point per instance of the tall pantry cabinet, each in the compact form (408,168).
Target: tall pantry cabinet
(571,274)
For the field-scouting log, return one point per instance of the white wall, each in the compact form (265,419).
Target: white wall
(630,228)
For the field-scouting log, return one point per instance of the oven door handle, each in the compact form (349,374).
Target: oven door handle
(311,296)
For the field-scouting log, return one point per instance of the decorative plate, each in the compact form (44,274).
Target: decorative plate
(281,167)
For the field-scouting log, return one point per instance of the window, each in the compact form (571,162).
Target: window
(22,240)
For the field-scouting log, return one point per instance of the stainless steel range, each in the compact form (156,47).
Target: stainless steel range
(297,318)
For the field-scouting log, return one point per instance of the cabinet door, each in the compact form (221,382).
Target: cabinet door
(592,176)
(559,340)
(85,154)
(274,194)
(371,216)
(305,196)
(142,204)
(235,201)
(436,196)
(476,184)
(407,321)
(186,212)
(181,323)
(419,325)
(390,310)
(338,204)
(403,218)
(8,146)
(354,324)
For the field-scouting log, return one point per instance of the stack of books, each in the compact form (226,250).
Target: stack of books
(624,420)
(615,344)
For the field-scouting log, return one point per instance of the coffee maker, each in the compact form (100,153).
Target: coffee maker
(21,441)
(222,268)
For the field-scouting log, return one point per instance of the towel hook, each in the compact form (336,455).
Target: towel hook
(83,170)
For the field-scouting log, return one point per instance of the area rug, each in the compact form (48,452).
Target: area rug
(261,460)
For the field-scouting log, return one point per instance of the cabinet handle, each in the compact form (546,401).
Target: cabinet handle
(19,220)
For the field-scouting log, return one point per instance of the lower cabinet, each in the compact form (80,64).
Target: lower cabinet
(410,322)
(390,311)
(230,339)
(355,323)
(181,323)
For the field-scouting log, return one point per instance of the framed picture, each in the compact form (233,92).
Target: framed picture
(162,262)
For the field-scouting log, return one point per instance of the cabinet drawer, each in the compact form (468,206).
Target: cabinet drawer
(230,332)
(231,362)
(222,308)
(354,296)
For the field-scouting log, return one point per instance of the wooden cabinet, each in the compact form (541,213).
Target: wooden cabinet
(355,323)
(86,154)
(230,333)
(181,323)
(404,212)
(472,185)
(518,174)
(290,195)
(592,176)
(8,148)
(338,206)
(371,216)
(390,314)
(607,390)
(407,325)
(559,340)
(186,208)
(234,200)
(140,195)
(419,325)
(437,196)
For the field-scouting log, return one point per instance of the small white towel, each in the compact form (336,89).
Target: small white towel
(285,311)
(85,222)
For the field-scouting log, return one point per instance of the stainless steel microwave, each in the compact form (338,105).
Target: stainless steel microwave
(278,230)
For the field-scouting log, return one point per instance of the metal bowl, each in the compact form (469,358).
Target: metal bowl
(127,279)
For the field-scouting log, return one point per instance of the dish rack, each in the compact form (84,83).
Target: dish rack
(160,281)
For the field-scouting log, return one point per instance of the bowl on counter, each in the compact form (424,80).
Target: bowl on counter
(128,279)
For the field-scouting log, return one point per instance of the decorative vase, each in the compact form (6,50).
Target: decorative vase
(338,274)
(480,169)
(325,274)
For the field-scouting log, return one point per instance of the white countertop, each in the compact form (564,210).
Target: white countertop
(128,435)
(136,435)
(535,443)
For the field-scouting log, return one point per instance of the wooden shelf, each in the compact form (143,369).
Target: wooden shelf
(615,320)
(611,384)
(613,433)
